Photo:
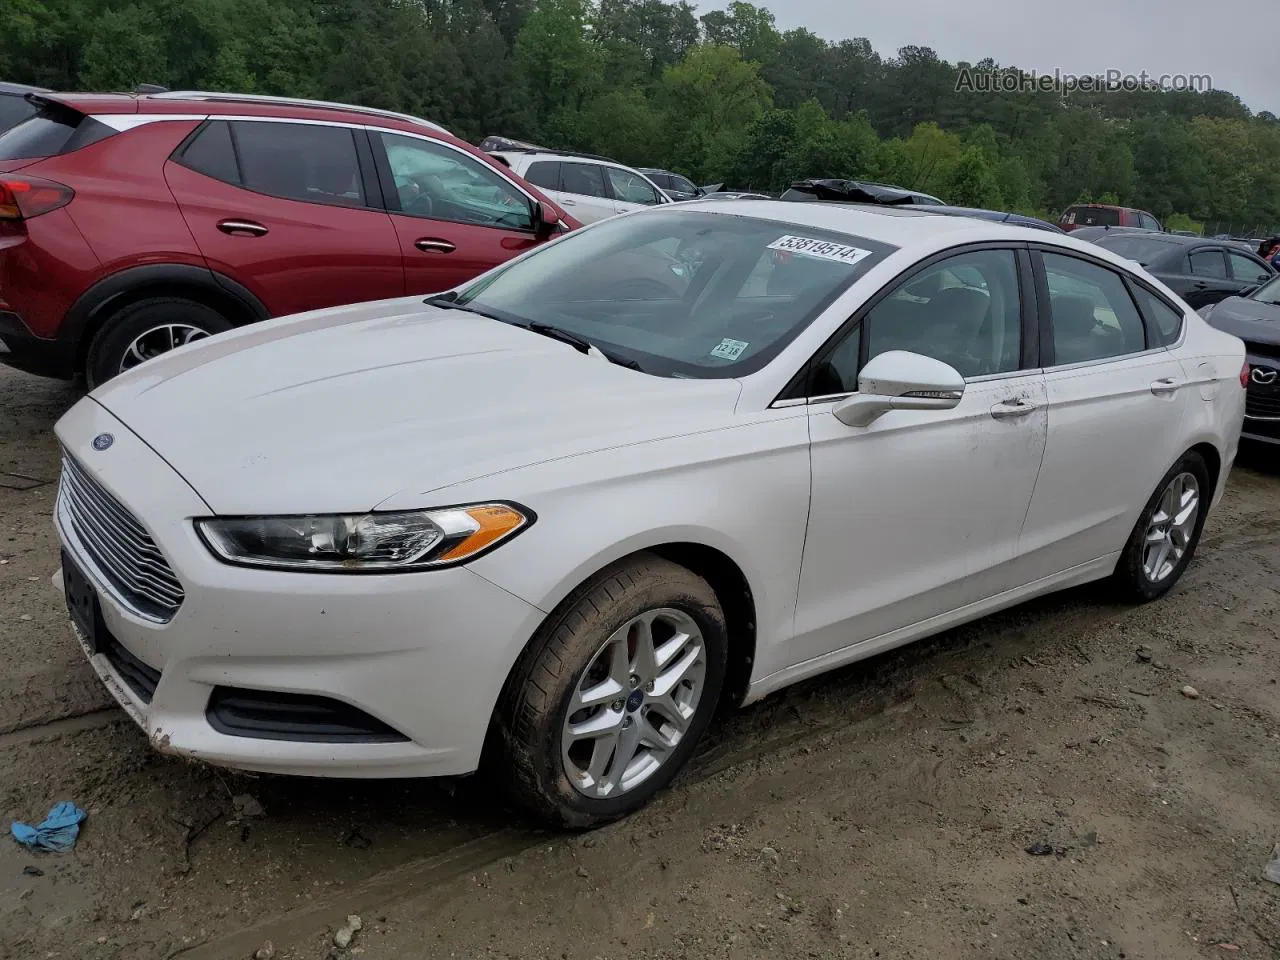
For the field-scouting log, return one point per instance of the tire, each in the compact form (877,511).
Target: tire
(110,348)
(1132,579)
(532,760)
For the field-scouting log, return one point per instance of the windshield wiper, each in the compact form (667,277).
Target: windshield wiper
(581,344)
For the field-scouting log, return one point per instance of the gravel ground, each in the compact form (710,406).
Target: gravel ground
(883,811)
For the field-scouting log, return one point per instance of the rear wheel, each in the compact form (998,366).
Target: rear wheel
(613,694)
(146,329)
(1166,535)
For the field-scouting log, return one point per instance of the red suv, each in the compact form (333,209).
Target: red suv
(132,224)
(1105,215)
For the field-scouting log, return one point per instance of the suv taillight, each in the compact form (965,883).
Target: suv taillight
(1244,375)
(22,198)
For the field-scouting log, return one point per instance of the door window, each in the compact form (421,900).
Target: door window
(584,179)
(1246,270)
(299,161)
(435,181)
(631,188)
(544,174)
(1168,321)
(1093,315)
(1208,263)
(965,311)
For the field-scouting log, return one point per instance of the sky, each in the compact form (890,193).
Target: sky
(1233,41)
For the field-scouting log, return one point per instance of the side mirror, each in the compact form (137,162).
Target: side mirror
(898,380)
(1249,290)
(545,221)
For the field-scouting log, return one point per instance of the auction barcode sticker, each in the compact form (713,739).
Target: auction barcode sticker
(820,248)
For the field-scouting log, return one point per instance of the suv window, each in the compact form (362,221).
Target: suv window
(1093,315)
(53,131)
(681,184)
(1246,270)
(211,152)
(544,174)
(965,311)
(13,110)
(436,181)
(1092,216)
(1208,263)
(1148,221)
(1168,321)
(299,161)
(631,188)
(584,179)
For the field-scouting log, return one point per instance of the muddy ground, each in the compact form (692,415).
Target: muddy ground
(883,811)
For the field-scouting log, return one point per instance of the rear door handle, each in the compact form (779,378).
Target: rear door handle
(429,245)
(1011,409)
(247,228)
(1164,385)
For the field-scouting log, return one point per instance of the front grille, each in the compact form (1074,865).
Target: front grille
(1261,405)
(302,718)
(118,545)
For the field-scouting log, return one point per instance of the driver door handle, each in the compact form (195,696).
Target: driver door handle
(429,245)
(1164,386)
(1012,409)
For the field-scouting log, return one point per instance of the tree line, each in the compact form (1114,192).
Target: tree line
(722,97)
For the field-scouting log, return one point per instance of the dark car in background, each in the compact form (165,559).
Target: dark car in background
(14,105)
(861,191)
(133,224)
(676,186)
(1255,319)
(1200,271)
(857,191)
(1107,215)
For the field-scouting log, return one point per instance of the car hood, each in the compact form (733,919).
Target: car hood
(339,410)
(1247,319)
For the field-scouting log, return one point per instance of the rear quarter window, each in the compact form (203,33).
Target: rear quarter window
(1092,217)
(212,153)
(13,110)
(52,131)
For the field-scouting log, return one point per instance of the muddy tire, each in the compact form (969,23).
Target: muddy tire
(145,329)
(612,695)
(1165,537)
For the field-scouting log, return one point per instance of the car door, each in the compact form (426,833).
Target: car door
(1247,271)
(454,216)
(1116,398)
(919,513)
(1209,279)
(285,209)
(583,191)
(631,191)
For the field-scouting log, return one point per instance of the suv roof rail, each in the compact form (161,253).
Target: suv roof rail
(291,102)
(556,153)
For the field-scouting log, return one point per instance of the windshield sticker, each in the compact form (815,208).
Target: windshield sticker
(822,249)
(729,349)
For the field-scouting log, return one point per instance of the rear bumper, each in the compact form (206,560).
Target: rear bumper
(22,349)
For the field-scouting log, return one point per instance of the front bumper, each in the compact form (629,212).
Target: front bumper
(425,654)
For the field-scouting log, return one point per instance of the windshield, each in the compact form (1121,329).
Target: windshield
(1268,293)
(680,293)
(1143,249)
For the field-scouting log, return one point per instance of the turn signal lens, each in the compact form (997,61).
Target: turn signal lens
(22,198)
(1244,375)
(495,521)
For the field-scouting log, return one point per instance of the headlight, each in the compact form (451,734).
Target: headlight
(364,543)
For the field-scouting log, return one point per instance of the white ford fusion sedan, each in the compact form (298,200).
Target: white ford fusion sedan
(543,524)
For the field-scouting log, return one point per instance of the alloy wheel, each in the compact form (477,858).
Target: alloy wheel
(1171,527)
(159,340)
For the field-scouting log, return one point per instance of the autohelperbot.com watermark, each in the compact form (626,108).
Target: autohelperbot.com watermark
(975,80)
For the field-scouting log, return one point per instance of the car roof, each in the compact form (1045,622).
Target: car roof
(19,89)
(206,103)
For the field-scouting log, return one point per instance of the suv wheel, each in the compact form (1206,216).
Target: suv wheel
(146,329)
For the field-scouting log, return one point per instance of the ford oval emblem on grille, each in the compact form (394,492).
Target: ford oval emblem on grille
(102,441)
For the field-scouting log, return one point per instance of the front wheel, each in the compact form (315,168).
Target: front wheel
(613,694)
(1165,537)
(146,329)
